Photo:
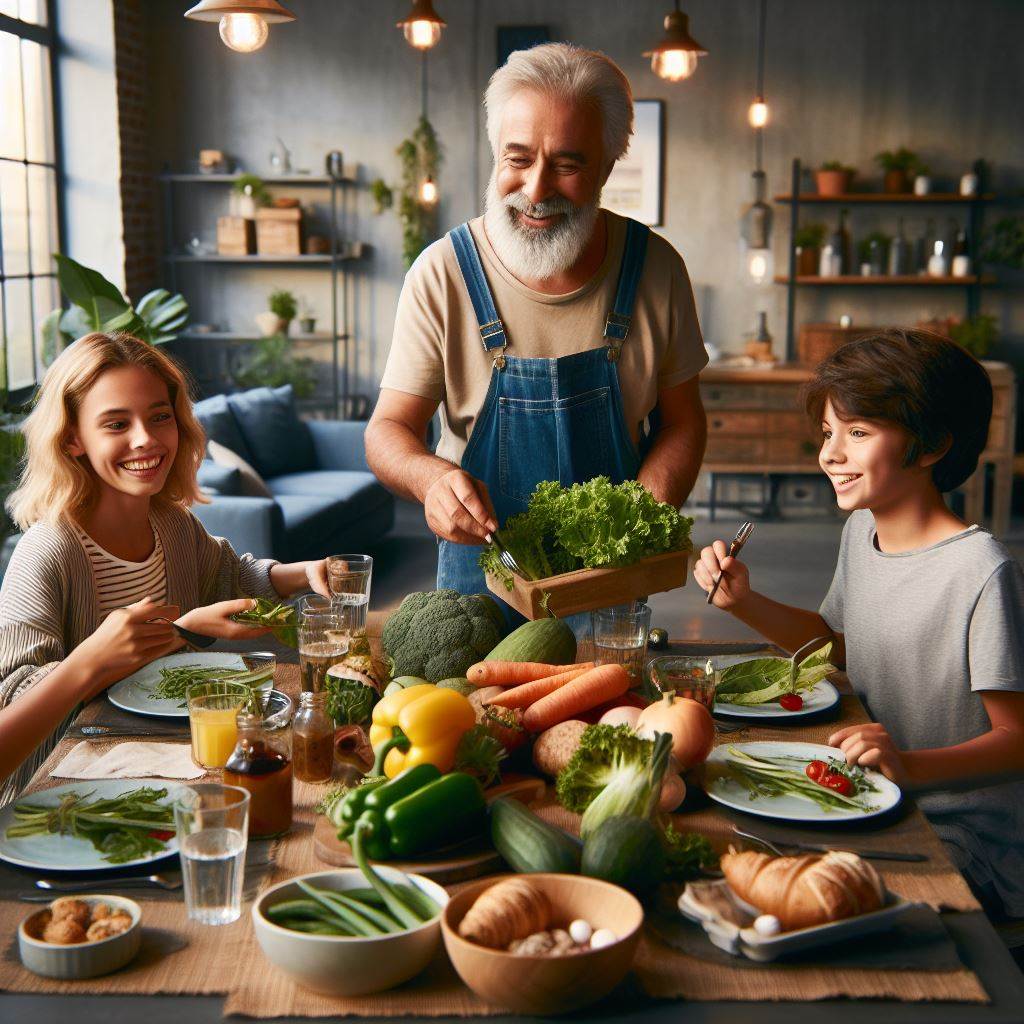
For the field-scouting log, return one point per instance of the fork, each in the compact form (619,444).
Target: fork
(506,556)
(161,881)
(824,848)
(742,535)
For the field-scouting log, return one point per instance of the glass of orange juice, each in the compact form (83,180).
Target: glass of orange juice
(213,707)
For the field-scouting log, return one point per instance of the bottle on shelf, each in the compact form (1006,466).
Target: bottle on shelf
(924,248)
(961,266)
(938,262)
(760,346)
(835,254)
(899,253)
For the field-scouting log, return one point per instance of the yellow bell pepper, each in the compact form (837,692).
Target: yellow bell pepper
(419,725)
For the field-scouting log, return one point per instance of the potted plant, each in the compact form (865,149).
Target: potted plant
(251,193)
(872,253)
(271,364)
(808,241)
(976,334)
(833,178)
(899,165)
(307,317)
(281,312)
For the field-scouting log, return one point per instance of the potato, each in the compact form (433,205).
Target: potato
(553,747)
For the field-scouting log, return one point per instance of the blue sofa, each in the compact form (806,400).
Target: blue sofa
(324,498)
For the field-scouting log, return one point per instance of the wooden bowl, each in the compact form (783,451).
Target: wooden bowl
(549,984)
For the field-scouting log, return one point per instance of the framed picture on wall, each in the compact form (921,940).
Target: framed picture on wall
(635,186)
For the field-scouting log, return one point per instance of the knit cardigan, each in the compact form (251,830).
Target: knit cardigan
(49,603)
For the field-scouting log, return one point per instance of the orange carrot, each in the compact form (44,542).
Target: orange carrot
(578,695)
(525,694)
(511,673)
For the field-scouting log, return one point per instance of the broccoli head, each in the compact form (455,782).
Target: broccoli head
(605,754)
(439,634)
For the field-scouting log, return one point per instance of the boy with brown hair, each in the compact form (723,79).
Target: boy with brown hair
(927,612)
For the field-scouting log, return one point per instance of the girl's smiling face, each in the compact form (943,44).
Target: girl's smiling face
(865,460)
(127,431)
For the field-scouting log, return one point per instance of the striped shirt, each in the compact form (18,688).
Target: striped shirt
(120,582)
(49,602)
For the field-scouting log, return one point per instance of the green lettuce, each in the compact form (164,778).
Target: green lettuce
(762,680)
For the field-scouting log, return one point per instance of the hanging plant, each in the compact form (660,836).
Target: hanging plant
(420,159)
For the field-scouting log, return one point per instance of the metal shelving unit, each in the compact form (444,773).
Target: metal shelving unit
(340,254)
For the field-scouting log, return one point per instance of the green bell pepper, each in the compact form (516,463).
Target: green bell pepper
(402,785)
(443,812)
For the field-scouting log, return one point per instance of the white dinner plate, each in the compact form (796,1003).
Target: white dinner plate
(820,697)
(133,692)
(731,793)
(52,852)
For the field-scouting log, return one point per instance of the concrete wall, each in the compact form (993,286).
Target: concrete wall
(845,79)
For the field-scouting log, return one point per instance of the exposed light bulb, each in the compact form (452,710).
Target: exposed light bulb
(428,192)
(758,265)
(674,65)
(244,33)
(422,34)
(757,115)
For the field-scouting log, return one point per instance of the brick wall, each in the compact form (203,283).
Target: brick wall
(139,192)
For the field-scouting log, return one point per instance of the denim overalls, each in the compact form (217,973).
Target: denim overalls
(543,419)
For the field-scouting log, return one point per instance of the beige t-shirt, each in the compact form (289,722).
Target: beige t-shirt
(437,353)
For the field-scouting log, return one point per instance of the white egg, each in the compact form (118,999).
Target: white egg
(767,925)
(580,931)
(603,937)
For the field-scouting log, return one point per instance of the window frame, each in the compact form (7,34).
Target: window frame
(45,35)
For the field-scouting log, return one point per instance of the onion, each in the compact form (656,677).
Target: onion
(622,715)
(673,792)
(691,726)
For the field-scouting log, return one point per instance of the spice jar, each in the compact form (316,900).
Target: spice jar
(261,764)
(313,739)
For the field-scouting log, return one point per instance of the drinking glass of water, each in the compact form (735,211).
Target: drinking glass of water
(620,637)
(323,641)
(212,822)
(349,577)
(696,677)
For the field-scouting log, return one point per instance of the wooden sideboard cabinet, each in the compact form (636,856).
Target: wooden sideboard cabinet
(757,425)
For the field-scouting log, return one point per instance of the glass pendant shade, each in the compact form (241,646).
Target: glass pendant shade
(756,232)
(428,192)
(243,32)
(422,28)
(675,56)
(757,115)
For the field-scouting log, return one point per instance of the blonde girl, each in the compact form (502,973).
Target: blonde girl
(111,553)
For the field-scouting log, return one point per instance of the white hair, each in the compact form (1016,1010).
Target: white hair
(571,73)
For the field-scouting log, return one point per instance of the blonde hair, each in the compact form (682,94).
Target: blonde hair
(54,483)
(571,73)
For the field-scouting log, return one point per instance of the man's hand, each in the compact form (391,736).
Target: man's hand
(870,746)
(458,508)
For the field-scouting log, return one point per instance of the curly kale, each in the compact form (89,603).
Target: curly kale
(349,701)
(439,634)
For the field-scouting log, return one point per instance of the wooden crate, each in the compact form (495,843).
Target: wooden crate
(818,341)
(236,236)
(279,231)
(587,589)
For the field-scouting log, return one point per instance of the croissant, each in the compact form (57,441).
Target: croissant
(804,891)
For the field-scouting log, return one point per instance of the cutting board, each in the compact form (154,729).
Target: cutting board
(471,859)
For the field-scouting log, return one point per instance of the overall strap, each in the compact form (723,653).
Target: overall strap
(492,330)
(616,328)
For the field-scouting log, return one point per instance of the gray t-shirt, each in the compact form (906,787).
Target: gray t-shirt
(926,631)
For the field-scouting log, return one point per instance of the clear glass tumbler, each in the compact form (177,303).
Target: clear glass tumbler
(693,676)
(212,823)
(350,578)
(213,706)
(620,637)
(323,641)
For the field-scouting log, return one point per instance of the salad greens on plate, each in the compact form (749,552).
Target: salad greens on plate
(763,680)
(593,525)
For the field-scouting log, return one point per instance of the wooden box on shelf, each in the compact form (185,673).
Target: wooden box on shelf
(279,231)
(587,589)
(818,341)
(236,236)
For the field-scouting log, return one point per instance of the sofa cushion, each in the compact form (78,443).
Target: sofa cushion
(355,494)
(279,442)
(220,425)
(251,484)
(218,479)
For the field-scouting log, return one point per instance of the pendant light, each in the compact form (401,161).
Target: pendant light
(243,23)
(757,114)
(756,224)
(423,25)
(428,193)
(675,57)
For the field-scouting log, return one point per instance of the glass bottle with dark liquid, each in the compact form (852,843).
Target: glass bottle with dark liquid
(261,764)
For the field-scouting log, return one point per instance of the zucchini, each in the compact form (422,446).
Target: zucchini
(625,851)
(530,844)
(548,640)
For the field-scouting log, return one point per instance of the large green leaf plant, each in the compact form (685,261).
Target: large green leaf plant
(98,305)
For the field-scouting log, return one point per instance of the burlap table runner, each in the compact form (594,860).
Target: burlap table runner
(179,957)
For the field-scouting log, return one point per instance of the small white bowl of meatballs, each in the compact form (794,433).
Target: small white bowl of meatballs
(79,937)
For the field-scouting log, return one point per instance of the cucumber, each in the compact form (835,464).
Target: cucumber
(625,851)
(548,640)
(530,844)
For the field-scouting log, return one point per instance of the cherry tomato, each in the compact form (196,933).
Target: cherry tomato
(815,770)
(161,834)
(840,783)
(791,701)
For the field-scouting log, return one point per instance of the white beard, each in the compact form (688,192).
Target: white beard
(536,254)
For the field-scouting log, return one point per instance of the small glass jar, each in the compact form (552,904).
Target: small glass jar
(261,764)
(313,739)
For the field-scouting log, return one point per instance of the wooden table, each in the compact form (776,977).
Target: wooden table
(978,945)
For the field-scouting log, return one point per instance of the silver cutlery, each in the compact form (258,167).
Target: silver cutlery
(825,847)
(742,535)
(108,731)
(507,558)
(169,880)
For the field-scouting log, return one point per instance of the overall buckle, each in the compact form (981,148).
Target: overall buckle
(491,330)
(617,326)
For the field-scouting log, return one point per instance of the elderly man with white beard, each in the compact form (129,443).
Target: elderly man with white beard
(560,340)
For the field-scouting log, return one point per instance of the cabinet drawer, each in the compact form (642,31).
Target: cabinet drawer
(790,424)
(792,451)
(751,396)
(737,422)
(747,451)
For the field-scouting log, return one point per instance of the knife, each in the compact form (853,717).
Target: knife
(105,731)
